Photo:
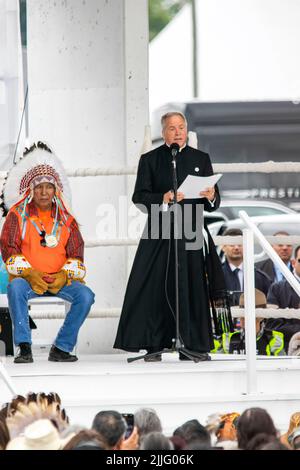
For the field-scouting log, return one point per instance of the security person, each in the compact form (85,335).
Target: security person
(268,342)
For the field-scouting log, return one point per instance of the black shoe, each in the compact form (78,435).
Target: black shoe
(57,355)
(25,354)
(205,357)
(154,358)
(199,358)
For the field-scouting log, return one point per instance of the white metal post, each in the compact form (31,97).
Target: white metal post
(7,379)
(250,329)
(270,252)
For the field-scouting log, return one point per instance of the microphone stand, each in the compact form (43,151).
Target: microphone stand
(177,346)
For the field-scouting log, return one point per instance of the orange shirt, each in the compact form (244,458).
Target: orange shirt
(49,260)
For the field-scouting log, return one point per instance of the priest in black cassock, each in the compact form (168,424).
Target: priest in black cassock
(148,315)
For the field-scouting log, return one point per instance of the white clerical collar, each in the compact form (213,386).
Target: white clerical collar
(233,267)
(181,148)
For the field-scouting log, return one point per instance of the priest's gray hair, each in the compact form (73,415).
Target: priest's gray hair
(166,116)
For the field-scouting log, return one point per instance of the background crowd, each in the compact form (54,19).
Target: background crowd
(39,422)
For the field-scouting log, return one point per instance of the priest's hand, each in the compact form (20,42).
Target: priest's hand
(209,193)
(169,197)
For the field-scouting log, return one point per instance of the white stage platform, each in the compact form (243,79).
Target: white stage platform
(177,390)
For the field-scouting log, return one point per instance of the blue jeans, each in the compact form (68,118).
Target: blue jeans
(80,296)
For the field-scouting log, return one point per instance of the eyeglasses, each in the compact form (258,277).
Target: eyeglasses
(43,240)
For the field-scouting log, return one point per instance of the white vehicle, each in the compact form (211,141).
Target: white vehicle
(213,217)
(268,224)
(231,207)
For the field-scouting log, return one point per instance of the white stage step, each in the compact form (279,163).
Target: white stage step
(177,390)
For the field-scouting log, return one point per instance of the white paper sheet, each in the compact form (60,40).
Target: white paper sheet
(192,185)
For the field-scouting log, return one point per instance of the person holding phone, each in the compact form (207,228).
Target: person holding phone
(112,427)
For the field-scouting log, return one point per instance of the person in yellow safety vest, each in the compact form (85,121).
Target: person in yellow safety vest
(268,342)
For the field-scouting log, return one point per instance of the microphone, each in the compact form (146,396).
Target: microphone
(174,150)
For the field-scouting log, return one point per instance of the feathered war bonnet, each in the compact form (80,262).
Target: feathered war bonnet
(38,165)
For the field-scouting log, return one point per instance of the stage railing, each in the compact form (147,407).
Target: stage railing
(262,167)
(250,332)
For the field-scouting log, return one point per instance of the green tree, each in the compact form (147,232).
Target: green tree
(161,12)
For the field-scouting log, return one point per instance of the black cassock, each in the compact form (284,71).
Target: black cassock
(147,321)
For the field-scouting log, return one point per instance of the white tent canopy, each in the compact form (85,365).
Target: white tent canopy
(247,51)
